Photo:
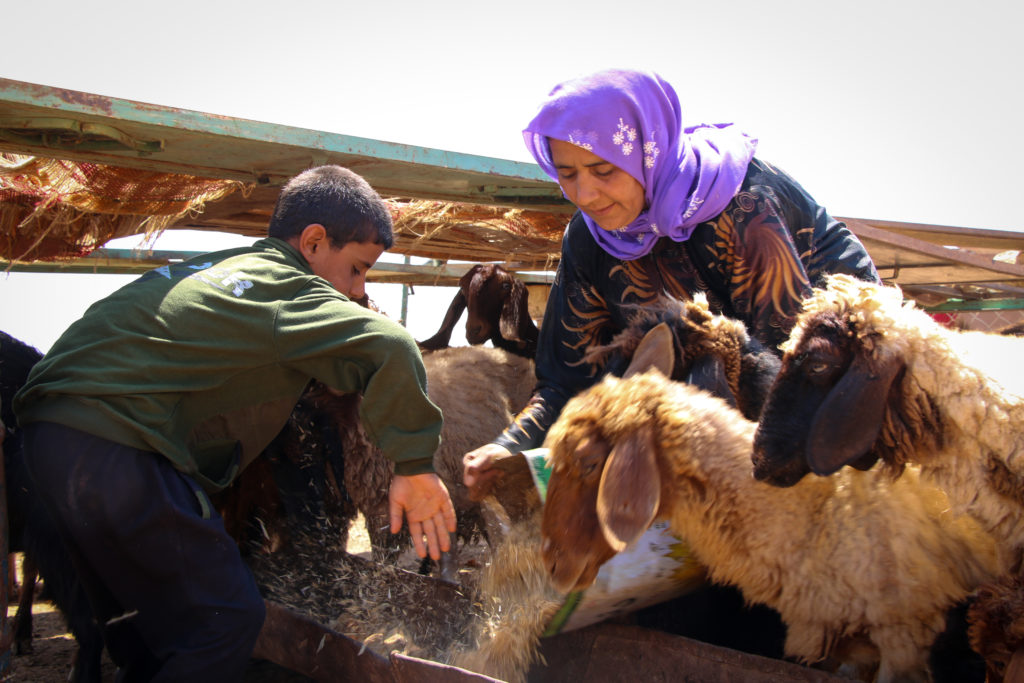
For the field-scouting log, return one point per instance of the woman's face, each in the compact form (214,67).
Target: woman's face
(610,196)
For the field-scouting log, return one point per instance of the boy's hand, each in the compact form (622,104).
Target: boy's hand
(428,508)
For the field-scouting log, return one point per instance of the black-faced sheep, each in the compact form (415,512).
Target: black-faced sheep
(497,309)
(867,377)
(861,567)
(31,532)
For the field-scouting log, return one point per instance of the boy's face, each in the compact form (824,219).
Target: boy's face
(345,268)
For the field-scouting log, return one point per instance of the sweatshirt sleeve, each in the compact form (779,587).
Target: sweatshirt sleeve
(352,349)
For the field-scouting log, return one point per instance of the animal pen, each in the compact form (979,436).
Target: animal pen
(77,170)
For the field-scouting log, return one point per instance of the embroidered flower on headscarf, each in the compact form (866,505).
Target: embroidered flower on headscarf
(650,153)
(583,139)
(623,138)
(695,203)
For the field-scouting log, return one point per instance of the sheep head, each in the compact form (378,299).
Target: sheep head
(605,489)
(836,400)
(712,352)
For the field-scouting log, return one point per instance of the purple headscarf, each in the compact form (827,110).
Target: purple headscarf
(632,120)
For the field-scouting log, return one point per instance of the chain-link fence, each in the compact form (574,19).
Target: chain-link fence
(988,321)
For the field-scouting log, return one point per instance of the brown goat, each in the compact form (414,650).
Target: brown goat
(860,566)
(497,310)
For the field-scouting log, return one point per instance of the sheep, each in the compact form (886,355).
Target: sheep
(861,567)
(298,478)
(478,389)
(867,377)
(31,532)
(996,627)
(713,352)
(497,305)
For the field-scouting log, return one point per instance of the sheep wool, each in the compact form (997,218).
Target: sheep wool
(854,555)
(962,397)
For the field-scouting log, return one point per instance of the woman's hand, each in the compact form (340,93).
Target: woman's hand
(424,500)
(478,471)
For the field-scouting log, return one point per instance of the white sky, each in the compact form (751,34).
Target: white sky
(898,110)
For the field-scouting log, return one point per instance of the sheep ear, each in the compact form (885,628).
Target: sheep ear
(655,350)
(444,334)
(708,373)
(849,420)
(630,490)
(514,311)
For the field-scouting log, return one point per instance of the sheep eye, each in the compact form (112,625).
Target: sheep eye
(817,367)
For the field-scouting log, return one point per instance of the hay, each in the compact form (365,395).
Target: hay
(518,602)
(491,624)
(55,209)
(383,606)
(475,232)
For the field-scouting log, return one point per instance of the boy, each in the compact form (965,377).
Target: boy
(166,389)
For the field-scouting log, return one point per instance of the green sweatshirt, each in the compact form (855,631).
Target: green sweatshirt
(204,360)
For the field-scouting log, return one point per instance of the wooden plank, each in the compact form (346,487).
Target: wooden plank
(615,652)
(963,257)
(300,644)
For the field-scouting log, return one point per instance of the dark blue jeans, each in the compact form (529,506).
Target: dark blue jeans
(164,579)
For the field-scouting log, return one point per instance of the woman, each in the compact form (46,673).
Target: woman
(661,208)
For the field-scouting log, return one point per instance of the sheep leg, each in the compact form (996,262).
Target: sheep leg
(23,617)
(448,565)
(497,523)
(903,654)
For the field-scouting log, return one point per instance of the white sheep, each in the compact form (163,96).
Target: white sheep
(843,558)
(866,376)
(479,390)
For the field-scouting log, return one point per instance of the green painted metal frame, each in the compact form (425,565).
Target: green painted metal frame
(60,123)
(981,305)
(134,262)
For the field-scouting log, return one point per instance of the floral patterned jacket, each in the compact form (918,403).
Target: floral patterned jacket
(756,261)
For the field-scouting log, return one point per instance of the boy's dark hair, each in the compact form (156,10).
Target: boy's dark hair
(336,198)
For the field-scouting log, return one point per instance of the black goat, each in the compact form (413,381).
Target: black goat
(496,302)
(32,533)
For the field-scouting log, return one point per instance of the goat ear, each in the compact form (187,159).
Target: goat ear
(848,422)
(630,490)
(514,311)
(655,350)
(444,334)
